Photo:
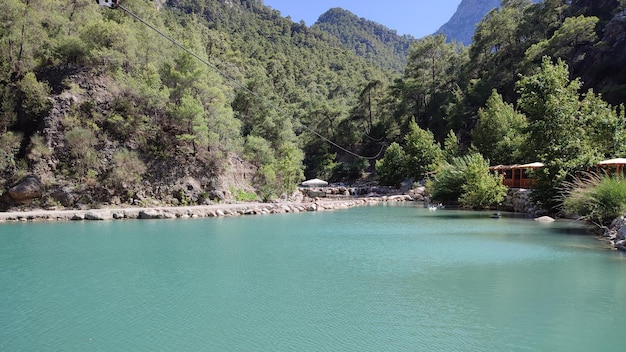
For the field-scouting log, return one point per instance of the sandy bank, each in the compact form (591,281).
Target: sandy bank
(200,211)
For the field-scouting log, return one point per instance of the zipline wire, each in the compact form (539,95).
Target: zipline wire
(240,85)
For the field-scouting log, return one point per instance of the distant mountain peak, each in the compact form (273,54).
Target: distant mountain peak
(371,40)
(469,13)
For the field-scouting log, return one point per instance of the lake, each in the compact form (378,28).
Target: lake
(388,277)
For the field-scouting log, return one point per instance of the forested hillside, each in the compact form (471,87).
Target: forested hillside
(100,108)
(540,82)
(97,107)
(375,42)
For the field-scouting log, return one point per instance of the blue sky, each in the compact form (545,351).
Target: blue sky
(418,18)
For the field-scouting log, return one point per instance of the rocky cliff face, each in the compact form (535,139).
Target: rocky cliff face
(51,179)
(461,26)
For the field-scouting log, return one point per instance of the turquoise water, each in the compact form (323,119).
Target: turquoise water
(373,278)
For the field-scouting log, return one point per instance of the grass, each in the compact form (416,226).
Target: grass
(597,199)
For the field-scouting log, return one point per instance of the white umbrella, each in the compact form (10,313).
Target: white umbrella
(316,182)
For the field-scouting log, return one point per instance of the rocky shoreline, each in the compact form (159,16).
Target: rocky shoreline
(198,211)
(615,234)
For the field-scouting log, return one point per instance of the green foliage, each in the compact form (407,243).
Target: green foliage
(81,142)
(368,39)
(349,171)
(430,81)
(277,172)
(499,133)
(573,33)
(38,148)
(499,42)
(282,85)
(289,167)
(325,166)
(467,180)
(243,195)
(391,168)
(422,152)
(557,129)
(128,170)
(597,199)
(71,50)
(33,97)
(451,147)
(9,147)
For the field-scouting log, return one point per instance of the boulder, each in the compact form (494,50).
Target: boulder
(98,215)
(64,196)
(545,219)
(30,188)
(150,214)
(621,234)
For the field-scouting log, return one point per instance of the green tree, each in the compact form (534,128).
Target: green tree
(422,152)
(33,99)
(605,125)
(499,133)
(481,188)
(499,43)
(451,147)
(391,168)
(289,167)
(567,40)
(191,115)
(556,130)
(431,77)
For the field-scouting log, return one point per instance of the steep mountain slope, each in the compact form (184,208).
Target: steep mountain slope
(461,25)
(375,42)
(101,109)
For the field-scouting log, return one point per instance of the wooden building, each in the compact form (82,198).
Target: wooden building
(611,167)
(517,176)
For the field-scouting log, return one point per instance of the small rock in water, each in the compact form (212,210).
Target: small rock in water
(544,219)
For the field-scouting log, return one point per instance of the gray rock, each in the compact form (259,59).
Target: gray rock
(30,188)
(64,196)
(150,214)
(544,219)
(621,234)
(98,215)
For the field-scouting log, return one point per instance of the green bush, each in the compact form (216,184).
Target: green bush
(128,170)
(467,179)
(243,196)
(598,199)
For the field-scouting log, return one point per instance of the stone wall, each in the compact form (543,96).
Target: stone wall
(518,200)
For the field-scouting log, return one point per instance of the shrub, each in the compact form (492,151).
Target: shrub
(128,169)
(9,163)
(81,142)
(598,199)
(468,180)
(243,195)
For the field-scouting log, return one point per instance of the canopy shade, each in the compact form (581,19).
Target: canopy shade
(315,182)
(617,161)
